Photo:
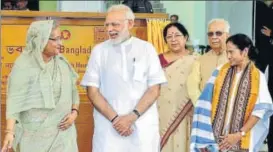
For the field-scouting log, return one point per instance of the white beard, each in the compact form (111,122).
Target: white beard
(122,35)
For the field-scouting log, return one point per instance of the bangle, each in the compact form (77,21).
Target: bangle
(74,109)
(136,112)
(114,118)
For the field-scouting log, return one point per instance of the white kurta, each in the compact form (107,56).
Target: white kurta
(123,73)
(260,130)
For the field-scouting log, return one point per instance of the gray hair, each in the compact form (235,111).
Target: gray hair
(120,7)
(227,26)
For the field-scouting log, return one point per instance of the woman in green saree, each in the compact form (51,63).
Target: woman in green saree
(42,98)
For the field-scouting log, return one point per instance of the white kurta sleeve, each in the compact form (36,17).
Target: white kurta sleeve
(263,107)
(92,74)
(155,72)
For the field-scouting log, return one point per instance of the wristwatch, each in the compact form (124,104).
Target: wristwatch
(243,133)
(136,113)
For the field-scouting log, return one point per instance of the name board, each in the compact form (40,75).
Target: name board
(77,44)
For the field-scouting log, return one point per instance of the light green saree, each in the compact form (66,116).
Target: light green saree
(39,96)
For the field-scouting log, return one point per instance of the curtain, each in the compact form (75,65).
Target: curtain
(155,34)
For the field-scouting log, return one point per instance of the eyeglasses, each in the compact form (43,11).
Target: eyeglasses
(176,37)
(114,24)
(217,33)
(55,39)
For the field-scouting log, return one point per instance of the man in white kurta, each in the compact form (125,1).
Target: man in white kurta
(127,76)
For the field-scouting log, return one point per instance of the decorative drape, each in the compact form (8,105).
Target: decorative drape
(155,34)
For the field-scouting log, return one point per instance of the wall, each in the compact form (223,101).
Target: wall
(81,6)
(195,15)
(191,14)
(237,13)
(72,6)
(48,5)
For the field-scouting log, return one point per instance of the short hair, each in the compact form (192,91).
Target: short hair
(227,26)
(120,7)
(176,16)
(180,28)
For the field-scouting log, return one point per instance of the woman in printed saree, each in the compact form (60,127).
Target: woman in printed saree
(173,104)
(42,98)
(232,113)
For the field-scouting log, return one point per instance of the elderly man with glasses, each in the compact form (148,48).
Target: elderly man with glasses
(123,80)
(218,32)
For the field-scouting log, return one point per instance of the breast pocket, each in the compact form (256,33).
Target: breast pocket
(140,72)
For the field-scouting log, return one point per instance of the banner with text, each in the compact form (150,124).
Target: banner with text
(77,41)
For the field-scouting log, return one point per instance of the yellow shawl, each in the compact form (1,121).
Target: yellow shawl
(245,100)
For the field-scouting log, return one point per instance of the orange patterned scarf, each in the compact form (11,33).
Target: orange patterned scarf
(245,99)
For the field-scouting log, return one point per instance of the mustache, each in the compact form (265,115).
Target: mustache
(112,32)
